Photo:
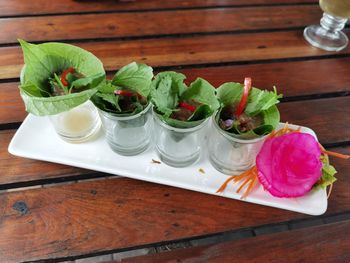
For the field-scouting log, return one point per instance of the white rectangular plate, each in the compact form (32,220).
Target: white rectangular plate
(36,139)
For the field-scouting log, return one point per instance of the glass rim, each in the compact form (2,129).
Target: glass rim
(114,116)
(167,126)
(228,136)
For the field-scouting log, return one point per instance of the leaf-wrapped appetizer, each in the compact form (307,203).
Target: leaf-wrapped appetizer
(127,93)
(246,112)
(124,109)
(57,77)
(180,106)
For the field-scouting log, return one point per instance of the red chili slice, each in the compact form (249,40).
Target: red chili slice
(187,106)
(242,104)
(124,93)
(64,75)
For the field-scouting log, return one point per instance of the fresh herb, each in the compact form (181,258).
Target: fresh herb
(181,106)
(328,172)
(47,87)
(248,114)
(127,93)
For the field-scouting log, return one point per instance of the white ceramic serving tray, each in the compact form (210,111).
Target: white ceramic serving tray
(36,139)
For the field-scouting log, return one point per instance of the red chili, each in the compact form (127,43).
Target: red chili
(124,93)
(187,106)
(64,75)
(242,104)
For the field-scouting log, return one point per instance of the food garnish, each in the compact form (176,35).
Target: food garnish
(289,164)
(156,161)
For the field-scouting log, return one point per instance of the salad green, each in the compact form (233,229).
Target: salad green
(57,77)
(127,93)
(260,115)
(181,106)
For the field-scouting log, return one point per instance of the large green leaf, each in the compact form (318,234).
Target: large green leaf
(41,106)
(42,61)
(137,77)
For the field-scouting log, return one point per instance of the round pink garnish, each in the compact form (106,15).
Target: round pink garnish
(289,165)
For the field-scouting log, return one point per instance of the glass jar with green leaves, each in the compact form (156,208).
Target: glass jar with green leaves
(239,127)
(125,110)
(181,115)
(58,80)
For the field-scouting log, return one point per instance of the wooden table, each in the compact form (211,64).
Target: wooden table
(51,211)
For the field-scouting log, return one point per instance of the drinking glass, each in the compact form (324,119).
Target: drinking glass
(178,147)
(127,135)
(328,35)
(230,155)
(78,124)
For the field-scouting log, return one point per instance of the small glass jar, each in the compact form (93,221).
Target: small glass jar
(128,135)
(78,124)
(178,147)
(230,155)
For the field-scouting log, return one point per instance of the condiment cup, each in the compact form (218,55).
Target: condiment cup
(78,124)
(230,155)
(178,147)
(127,135)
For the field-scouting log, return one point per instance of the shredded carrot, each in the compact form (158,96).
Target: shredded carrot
(339,155)
(224,185)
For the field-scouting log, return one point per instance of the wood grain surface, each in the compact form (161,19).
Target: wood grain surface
(304,245)
(54,28)
(105,215)
(177,51)
(25,7)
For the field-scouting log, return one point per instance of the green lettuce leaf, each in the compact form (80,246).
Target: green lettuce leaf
(168,89)
(42,61)
(137,77)
(260,102)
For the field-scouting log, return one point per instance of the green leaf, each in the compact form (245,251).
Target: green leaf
(89,81)
(203,92)
(41,106)
(328,172)
(166,90)
(42,62)
(201,112)
(137,77)
(260,102)
(229,93)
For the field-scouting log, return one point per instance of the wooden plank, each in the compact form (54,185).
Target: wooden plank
(15,169)
(329,118)
(54,28)
(24,7)
(104,215)
(316,114)
(326,243)
(171,51)
(297,78)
